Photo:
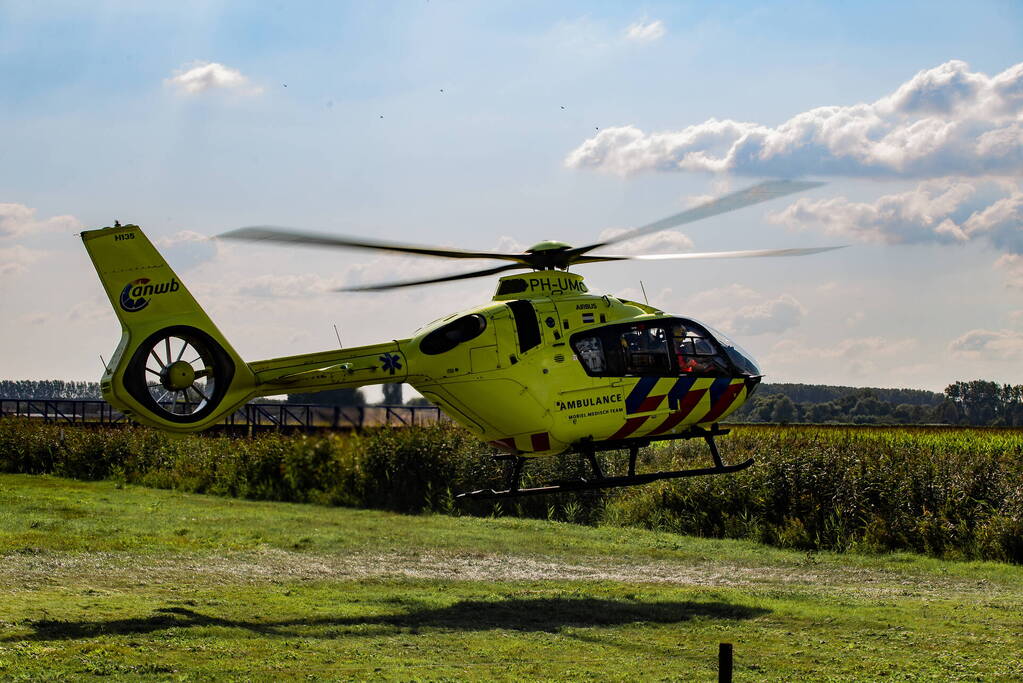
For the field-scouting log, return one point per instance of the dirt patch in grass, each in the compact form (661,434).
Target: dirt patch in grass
(28,570)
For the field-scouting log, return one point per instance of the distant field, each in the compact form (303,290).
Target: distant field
(122,581)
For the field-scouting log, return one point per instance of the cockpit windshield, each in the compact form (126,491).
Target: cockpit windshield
(660,348)
(739,356)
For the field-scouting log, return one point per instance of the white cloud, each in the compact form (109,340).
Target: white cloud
(849,359)
(947,211)
(645,31)
(286,286)
(589,38)
(200,77)
(768,316)
(181,237)
(697,199)
(187,248)
(743,312)
(15,260)
(17,220)
(1012,265)
(944,121)
(509,245)
(991,345)
(1001,223)
(943,211)
(92,309)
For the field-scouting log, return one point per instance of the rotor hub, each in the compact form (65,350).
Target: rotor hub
(549,254)
(177,376)
(548,245)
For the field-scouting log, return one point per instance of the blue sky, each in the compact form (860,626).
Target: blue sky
(474,149)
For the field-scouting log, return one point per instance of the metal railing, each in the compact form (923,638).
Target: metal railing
(258,415)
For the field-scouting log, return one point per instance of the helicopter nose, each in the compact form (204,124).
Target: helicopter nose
(740,357)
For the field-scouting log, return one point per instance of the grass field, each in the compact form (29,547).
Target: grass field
(952,493)
(123,581)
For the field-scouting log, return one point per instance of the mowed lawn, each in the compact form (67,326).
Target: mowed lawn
(127,582)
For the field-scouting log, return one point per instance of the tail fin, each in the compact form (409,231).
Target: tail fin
(173,368)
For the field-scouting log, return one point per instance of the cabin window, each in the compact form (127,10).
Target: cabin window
(645,350)
(623,350)
(526,325)
(590,351)
(664,348)
(447,337)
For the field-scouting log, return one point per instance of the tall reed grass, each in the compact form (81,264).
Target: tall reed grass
(947,492)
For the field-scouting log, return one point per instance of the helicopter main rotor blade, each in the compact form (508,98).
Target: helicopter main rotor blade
(544,255)
(761,192)
(270,233)
(747,254)
(429,281)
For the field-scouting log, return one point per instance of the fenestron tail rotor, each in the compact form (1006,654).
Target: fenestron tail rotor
(550,255)
(180,373)
(180,376)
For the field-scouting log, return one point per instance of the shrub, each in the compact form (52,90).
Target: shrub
(952,492)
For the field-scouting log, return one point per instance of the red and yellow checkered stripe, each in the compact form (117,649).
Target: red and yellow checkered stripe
(661,405)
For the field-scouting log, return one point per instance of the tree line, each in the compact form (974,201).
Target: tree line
(59,389)
(976,402)
(28,389)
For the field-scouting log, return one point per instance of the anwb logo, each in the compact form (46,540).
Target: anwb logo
(136,294)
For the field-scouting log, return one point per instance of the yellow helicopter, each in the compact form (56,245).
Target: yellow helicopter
(545,368)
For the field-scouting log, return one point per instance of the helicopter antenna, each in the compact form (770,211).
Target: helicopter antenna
(645,300)
(338,335)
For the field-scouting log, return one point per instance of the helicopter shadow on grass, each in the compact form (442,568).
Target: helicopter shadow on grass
(531,615)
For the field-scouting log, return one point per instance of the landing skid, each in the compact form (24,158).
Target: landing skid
(598,480)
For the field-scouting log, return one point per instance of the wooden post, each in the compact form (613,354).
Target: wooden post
(725,663)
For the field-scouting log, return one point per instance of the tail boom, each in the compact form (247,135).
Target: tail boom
(173,369)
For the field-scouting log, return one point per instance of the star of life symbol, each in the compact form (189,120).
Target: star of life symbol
(391,363)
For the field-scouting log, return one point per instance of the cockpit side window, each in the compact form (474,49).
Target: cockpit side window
(695,353)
